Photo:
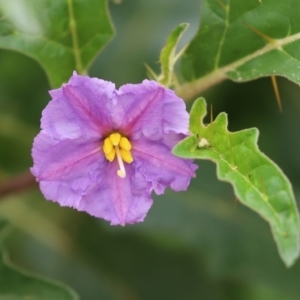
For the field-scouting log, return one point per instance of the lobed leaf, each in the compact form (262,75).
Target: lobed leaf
(16,283)
(257,181)
(243,40)
(62,36)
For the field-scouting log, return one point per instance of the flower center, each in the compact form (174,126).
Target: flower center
(117,145)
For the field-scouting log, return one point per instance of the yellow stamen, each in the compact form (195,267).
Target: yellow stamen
(115,138)
(126,156)
(117,145)
(107,146)
(125,144)
(111,155)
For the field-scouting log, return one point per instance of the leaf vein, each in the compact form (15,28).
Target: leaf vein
(234,169)
(221,43)
(289,55)
(73,30)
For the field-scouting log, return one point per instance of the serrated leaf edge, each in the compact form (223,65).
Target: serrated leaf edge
(223,117)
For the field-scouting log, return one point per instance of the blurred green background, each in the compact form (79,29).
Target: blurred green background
(200,244)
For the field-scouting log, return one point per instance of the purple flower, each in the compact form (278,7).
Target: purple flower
(103,150)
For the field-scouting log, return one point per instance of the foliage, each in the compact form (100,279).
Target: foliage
(61,35)
(243,41)
(257,181)
(168,56)
(17,284)
(193,243)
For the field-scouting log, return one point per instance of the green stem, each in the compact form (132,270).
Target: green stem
(16,184)
(190,90)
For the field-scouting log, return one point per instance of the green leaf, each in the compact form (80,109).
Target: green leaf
(61,36)
(168,54)
(17,284)
(243,40)
(257,181)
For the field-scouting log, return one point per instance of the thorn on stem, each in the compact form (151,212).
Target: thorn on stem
(222,4)
(276,91)
(261,34)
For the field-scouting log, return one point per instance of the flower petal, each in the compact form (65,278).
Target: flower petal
(79,108)
(149,109)
(157,163)
(118,200)
(68,157)
(65,169)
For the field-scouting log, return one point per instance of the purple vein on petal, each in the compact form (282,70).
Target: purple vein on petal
(102,120)
(62,155)
(141,108)
(62,168)
(184,170)
(140,115)
(121,190)
(121,203)
(159,166)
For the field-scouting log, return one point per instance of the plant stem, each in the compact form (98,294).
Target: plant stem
(16,184)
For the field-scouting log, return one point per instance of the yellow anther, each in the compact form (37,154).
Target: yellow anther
(117,146)
(111,155)
(126,156)
(107,146)
(115,138)
(125,144)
